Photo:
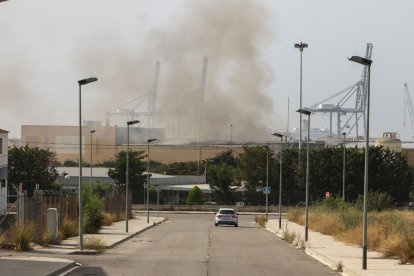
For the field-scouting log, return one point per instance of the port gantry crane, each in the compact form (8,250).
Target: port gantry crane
(357,91)
(409,106)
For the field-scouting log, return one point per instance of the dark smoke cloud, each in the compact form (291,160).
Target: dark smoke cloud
(232,34)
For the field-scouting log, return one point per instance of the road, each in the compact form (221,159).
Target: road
(190,244)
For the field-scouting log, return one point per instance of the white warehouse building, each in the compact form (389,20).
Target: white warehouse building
(3,170)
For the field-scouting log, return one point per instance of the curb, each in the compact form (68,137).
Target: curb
(134,234)
(317,256)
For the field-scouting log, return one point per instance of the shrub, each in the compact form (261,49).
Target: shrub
(69,228)
(195,196)
(289,237)
(377,201)
(93,215)
(95,243)
(22,236)
(108,219)
(261,220)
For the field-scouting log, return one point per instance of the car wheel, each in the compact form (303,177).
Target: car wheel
(216,224)
(236,225)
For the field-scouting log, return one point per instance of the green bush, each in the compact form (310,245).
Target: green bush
(92,211)
(195,196)
(377,201)
(93,217)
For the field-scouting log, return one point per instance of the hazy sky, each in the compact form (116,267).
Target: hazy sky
(47,45)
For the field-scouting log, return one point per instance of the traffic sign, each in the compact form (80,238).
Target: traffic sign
(266,190)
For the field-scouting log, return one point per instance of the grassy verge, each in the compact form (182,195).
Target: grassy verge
(390,232)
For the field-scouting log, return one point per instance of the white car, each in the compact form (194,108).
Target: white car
(226,216)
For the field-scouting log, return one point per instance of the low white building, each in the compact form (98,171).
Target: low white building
(3,170)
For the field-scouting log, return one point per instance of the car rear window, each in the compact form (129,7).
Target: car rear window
(226,212)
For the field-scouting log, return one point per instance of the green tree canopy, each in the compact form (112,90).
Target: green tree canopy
(31,166)
(195,196)
(136,177)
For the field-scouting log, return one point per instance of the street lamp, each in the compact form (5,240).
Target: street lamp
(300,46)
(148,142)
(343,167)
(280,177)
(231,134)
(308,113)
(267,183)
(90,180)
(81,82)
(365,62)
(127,175)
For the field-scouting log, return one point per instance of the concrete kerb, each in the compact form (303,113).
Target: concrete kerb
(110,246)
(314,254)
(134,234)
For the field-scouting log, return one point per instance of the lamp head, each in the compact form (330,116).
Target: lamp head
(93,131)
(301,46)
(304,111)
(133,122)
(151,140)
(86,81)
(277,135)
(360,60)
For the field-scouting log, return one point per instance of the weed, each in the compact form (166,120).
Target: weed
(261,220)
(95,243)
(107,219)
(289,237)
(69,229)
(22,236)
(339,267)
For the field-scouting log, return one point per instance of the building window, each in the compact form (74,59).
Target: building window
(1,145)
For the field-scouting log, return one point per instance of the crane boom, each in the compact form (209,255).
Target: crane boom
(409,105)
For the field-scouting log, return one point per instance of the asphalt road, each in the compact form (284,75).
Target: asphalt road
(190,244)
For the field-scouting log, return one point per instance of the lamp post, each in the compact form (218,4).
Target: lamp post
(343,167)
(365,62)
(90,180)
(148,142)
(300,46)
(231,134)
(308,113)
(267,183)
(81,82)
(129,123)
(280,177)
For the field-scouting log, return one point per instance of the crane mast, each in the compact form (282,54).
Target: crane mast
(409,106)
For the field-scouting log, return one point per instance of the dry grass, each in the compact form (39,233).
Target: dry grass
(289,237)
(108,219)
(21,236)
(45,239)
(389,232)
(70,228)
(95,243)
(339,267)
(260,220)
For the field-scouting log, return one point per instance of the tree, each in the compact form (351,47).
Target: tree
(220,177)
(31,166)
(195,196)
(221,173)
(136,178)
(252,166)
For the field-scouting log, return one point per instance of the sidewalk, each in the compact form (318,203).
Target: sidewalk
(330,252)
(111,236)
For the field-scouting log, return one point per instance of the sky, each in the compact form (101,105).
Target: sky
(46,46)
